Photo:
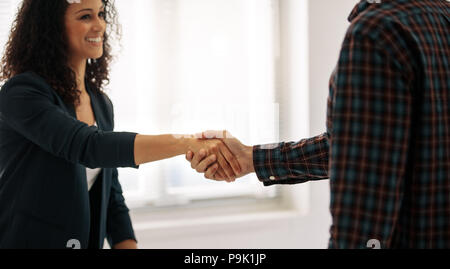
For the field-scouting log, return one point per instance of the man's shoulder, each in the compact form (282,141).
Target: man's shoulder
(402,17)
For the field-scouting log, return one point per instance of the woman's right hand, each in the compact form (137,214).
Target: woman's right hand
(223,161)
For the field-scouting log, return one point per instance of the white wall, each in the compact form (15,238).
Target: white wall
(326,24)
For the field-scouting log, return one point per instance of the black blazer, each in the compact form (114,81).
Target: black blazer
(44,152)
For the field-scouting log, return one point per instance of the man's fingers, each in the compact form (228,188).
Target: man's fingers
(214,134)
(215,172)
(231,159)
(221,175)
(225,166)
(210,134)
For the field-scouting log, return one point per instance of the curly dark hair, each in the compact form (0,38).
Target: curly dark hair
(38,43)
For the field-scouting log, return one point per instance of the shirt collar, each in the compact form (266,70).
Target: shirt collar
(358,9)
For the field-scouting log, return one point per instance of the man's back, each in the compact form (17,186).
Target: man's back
(411,92)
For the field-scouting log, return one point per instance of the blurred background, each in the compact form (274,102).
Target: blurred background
(258,68)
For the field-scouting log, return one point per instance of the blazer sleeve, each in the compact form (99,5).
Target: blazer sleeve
(118,224)
(28,107)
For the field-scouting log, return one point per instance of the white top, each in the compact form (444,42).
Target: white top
(91,174)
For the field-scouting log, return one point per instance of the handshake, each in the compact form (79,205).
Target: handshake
(220,156)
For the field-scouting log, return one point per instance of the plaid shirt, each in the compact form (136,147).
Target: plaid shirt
(387,146)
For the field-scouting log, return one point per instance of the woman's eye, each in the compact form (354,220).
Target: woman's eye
(88,16)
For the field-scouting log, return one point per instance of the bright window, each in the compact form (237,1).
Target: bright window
(189,66)
(7,10)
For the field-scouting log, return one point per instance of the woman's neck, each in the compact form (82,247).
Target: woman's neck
(79,67)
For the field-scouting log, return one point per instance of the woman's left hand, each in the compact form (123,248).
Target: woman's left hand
(127,244)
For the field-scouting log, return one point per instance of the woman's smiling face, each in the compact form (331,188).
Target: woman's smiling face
(85,27)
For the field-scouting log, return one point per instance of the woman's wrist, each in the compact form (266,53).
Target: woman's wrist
(150,148)
(185,143)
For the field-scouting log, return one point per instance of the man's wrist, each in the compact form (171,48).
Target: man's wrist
(249,154)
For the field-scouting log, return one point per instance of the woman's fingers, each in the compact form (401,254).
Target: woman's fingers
(211,168)
(189,156)
(205,163)
(212,172)
(198,158)
(221,164)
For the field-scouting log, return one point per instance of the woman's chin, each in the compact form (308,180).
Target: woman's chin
(95,57)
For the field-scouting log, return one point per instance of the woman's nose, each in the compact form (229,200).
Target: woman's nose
(99,25)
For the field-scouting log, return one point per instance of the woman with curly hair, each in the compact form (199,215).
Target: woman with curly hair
(58,153)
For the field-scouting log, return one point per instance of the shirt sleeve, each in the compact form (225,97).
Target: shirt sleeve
(27,106)
(293,162)
(370,137)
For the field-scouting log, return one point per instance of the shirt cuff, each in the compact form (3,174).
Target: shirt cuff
(269,163)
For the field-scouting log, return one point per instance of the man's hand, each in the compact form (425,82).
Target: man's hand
(227,167)
(207,164)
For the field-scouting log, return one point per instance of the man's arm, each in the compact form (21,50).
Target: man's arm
(370,115)
(283,163)
(293,162)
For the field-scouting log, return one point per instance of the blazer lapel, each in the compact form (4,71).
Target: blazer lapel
(95,107)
